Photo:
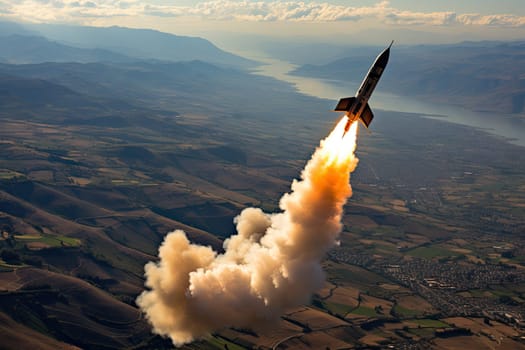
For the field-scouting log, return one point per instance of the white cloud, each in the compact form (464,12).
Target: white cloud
(491,20)
(244,10)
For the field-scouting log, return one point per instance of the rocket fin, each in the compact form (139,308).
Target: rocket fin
(345,104)
(367,115)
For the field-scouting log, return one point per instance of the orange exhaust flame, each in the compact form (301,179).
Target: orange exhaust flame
(341,149)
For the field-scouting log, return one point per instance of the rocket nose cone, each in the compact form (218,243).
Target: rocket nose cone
(382,60)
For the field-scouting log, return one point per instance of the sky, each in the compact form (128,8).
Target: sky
(410,21)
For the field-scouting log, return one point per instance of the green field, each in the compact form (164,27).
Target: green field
(337,308)
(431,252)
(404,312)
(50,240)
(422,332)
(426,322)
(359,277)
(365,311)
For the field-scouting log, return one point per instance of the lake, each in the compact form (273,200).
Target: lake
(508,126)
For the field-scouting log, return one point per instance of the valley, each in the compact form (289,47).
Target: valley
(99,161)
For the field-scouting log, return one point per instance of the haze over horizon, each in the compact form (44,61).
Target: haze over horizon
(233,25)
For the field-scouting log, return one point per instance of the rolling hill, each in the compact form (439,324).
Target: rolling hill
(188,86)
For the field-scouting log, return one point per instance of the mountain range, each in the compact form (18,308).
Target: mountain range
(36,43)
(24,49)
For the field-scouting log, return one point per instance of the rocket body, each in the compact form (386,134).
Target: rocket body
(357,107)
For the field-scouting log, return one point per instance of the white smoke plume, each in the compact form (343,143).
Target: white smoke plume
(269,266)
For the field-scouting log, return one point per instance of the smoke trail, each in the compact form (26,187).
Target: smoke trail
(272,264)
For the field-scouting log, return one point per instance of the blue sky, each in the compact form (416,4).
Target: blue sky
(410,20)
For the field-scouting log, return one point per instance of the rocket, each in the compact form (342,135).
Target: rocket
(357,107)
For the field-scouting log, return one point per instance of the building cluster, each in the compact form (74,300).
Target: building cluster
(453,289)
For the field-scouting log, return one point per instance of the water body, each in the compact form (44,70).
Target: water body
(508,126)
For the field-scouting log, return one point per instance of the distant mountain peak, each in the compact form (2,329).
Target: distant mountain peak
(25,48)
(142,44)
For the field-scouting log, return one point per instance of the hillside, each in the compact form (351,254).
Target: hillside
(144,44)
(23,49)
(188,86)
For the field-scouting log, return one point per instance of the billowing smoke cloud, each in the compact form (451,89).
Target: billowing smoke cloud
(272,264)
